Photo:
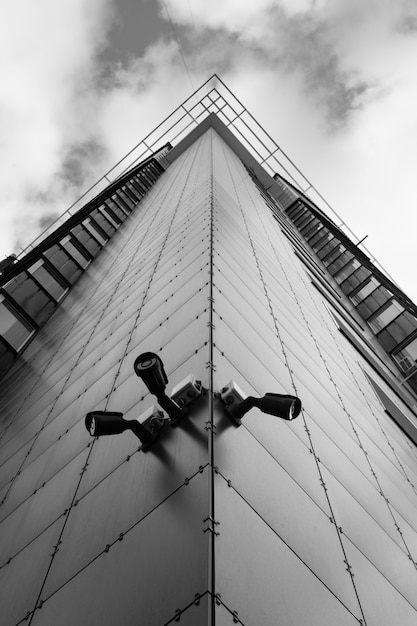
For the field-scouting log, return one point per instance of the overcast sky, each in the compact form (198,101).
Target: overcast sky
(333,81)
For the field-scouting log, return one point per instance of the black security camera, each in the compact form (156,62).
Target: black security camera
(149,367)
(284,406)
(100,423)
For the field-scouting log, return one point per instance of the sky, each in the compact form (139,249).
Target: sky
(334,82)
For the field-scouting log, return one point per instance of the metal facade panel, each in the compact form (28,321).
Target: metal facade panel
(158,566)
(284,506)
(261,577)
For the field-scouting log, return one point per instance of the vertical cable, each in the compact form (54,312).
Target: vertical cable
(212,537)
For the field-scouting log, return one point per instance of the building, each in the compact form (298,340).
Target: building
(208,249)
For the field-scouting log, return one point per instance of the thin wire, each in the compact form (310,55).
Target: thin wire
(179,46)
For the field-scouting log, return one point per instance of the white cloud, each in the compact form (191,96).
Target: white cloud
(140,97)
(47,63)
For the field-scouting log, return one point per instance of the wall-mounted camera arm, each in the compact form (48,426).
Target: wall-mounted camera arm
(238,410)
(100,423)
(286,407)
(174,411)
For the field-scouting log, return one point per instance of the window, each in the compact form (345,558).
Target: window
(365,290)
(355,279)
(83,236)
(312,228)
(95,231)
(375,301)
(14,330)
(33,301)
(303,220)
(136,193)
(407,357)
(123,198)
(317,236)
(48,282)
(103,222)
(326,246)
(398,330)
(343,259)
(71,248)
(385,317)
(117,216)
(350,267)
(63,263)
(295,212)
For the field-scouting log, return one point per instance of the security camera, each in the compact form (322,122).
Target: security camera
(99,423)
(149,367)
(286,407)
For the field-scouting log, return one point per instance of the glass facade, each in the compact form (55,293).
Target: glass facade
(34,293)
(309,522)
(387,311)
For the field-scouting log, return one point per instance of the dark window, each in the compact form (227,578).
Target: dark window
(376,299)
(355,279)
(347,270)
(314,238)
(119,200)
(311,229)
(48,282)
(403,326)
(30,297)
(95,230)
(103,222)
(73,250)
(342,260)
(303,220)
(295,212)
(365,291)
(134,193)
(82,235)
(407,357)
(319,239)
(109,215)
(124,198)
(116,215)
(326,248)
(333,254)
(14,330)
(63,263)
(384,316)
(138,186)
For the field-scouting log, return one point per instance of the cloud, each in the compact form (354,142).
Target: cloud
(47,62)
(345,54)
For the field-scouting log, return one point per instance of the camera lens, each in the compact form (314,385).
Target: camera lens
(92,427)
(145,363)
